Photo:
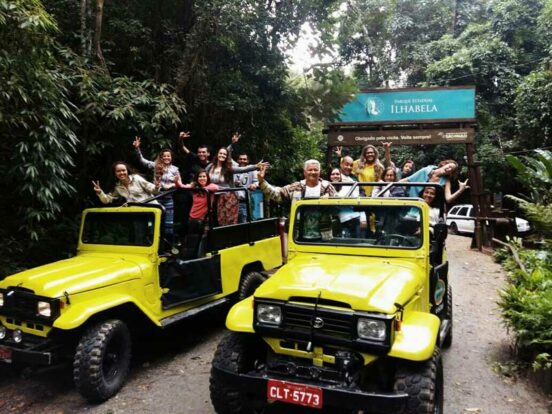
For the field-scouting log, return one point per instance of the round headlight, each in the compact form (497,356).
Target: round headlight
(17,336)
(3,332)
(371,329)
(270,314)
(44,309)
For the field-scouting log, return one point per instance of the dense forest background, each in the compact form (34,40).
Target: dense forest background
(79,79)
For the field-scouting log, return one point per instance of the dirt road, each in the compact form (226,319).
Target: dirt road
(170,372)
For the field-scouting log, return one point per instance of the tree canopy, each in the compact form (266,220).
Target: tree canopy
(80,79)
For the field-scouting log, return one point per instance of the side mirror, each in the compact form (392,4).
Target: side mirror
(440,231)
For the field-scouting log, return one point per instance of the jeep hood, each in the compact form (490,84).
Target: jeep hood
(370,284)
(75,275)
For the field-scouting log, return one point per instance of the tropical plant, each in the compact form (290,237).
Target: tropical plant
(535,173)
(526,302)
(37,118)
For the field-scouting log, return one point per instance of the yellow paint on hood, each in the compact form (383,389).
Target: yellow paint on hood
(78,274)
(366,283)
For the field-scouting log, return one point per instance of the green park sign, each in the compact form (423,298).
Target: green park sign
(391,106)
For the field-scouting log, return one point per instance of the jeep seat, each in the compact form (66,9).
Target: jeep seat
(193,242)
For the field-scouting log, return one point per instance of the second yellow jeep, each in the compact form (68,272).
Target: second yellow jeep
(354,321)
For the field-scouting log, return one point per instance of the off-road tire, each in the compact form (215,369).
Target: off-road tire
(448,315)
(453,228)
(236,353)
(423,382)
(249,283)
(102,360)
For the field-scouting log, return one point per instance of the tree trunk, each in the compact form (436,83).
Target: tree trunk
(83,33)
(454,19)
(98,34)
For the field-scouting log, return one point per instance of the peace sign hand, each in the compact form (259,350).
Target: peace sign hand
(338,150)
(236,137)
(96,185)
(136,143)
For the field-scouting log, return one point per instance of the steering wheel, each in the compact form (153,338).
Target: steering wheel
(394,239)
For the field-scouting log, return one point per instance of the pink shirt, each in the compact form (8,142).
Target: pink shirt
(199,206)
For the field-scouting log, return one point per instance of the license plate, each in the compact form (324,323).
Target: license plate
(5,354)
(292,393)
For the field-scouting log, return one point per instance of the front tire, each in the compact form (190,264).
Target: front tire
(236,353)
(249,284)
(102,360)
(423,382)
(448,315)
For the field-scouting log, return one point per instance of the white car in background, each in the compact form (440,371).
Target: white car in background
(461,219)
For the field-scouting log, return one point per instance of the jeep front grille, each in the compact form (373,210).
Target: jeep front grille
(21,305)
(336,324)
(323,326)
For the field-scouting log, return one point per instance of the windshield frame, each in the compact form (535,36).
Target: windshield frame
(155,211)
(143,219)
(297,243)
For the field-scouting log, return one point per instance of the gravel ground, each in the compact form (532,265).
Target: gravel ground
(170,372)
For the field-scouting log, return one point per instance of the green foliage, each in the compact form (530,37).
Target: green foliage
(533,105)
(48,98)
(37,118)
(526,302)
(386,43)
(535,173)
(543,361)
(114,110)
(323,92)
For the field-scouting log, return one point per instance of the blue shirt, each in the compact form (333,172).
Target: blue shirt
(422,176)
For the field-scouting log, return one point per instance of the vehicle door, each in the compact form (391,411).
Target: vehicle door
(463,221)
(187,270)
(452,214)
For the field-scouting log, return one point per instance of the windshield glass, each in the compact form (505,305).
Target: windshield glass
(359,226)
(124,229)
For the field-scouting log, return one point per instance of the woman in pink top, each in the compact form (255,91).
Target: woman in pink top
(200,200)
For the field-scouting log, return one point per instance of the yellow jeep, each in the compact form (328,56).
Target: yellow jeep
(354,321)
(126,276)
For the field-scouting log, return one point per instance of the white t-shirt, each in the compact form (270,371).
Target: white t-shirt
(312,191)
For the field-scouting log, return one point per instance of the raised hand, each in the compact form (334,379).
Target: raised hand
(177,182)
(463,185)
(236,137)
(261,173)
(136,143)
(184,134)
(338,151)
(386,145)
(262,163)
(97,187)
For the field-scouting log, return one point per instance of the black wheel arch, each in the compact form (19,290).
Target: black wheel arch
(127,312)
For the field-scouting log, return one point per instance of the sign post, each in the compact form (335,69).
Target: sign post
(414,116)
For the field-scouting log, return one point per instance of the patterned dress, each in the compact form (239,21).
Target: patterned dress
(227,203)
